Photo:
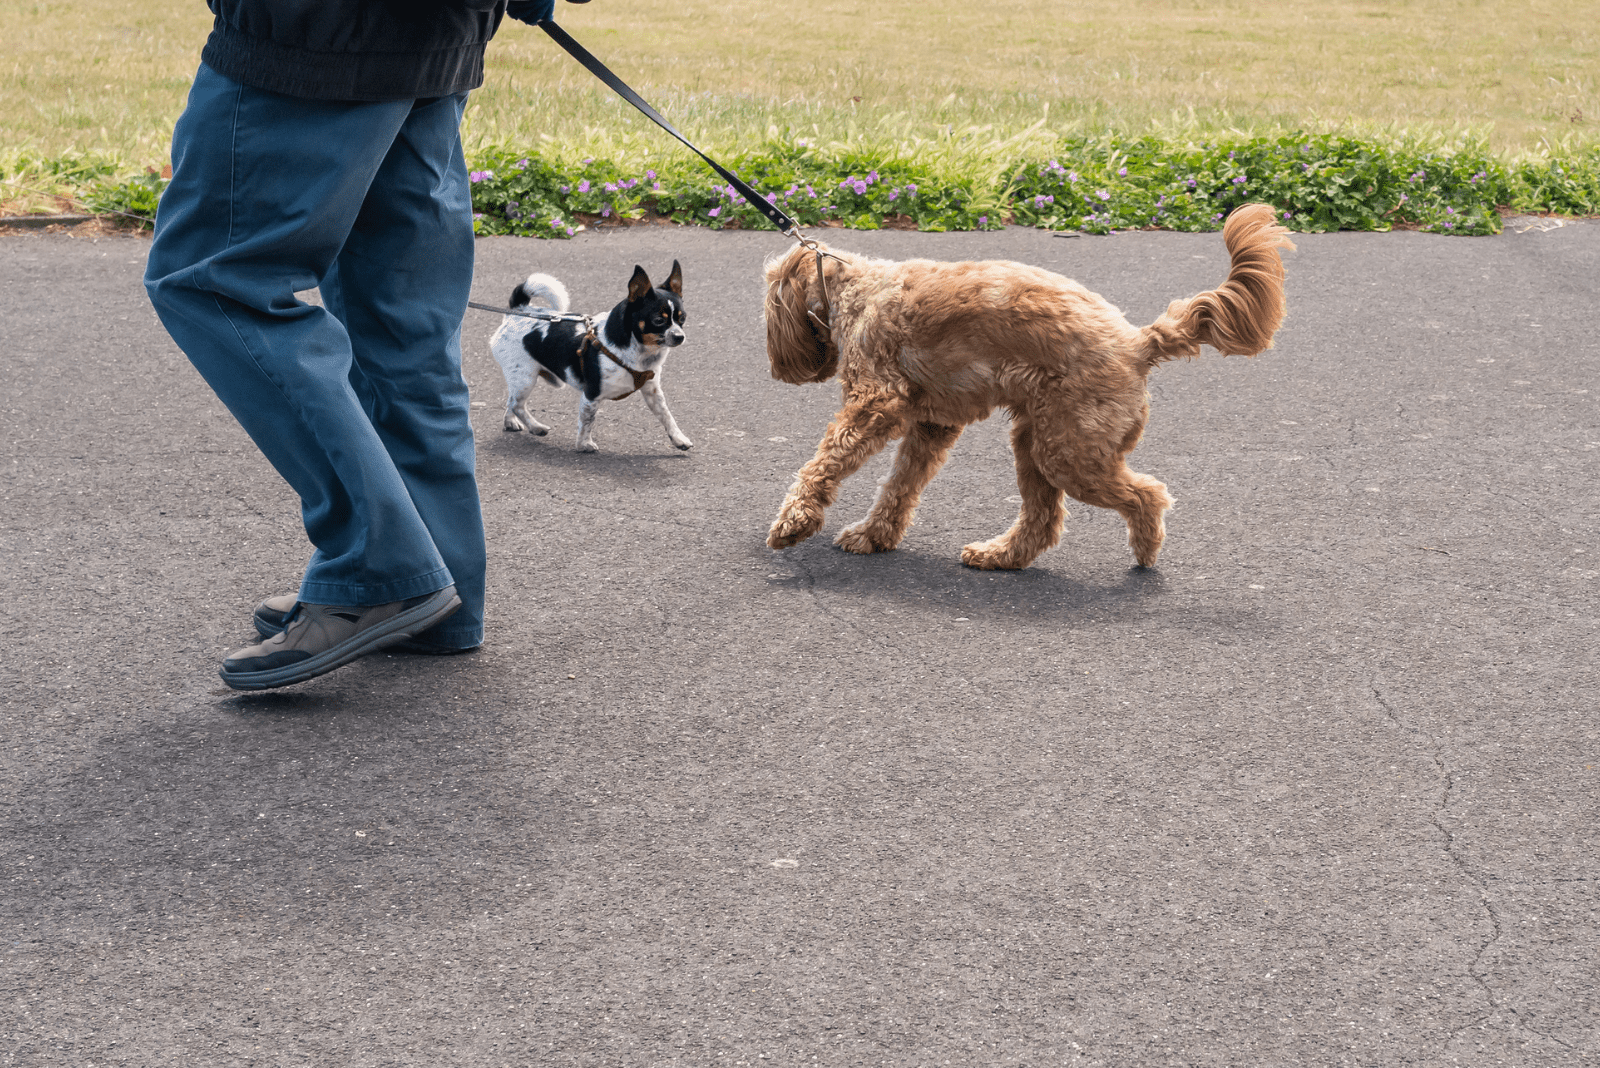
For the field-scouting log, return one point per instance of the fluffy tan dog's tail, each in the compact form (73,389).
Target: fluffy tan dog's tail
(1240,316)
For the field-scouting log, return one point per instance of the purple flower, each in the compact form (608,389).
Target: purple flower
(1191,183)
(583,186)
(1288,215)
(478,176)
(605,212)
(569,231)
(611,187)
(810,192)
(1072,176)
(1239,180)
(1102,194)
(477,215)
(894,194)
(522,164)
(714,212)
(650,175)
(566,189)
(872,176)
(911,190)
(1122,171)
(656,185)
(555,224)
(983,220)
(588,161)
(772,198)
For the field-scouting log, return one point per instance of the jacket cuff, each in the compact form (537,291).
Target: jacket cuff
(530,11)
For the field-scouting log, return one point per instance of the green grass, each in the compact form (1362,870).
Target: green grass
(961,94)
(108,76)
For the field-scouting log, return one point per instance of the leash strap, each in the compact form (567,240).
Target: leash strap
(548,316)
(773,213)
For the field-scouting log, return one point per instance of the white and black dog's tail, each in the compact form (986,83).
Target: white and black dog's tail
(540,291)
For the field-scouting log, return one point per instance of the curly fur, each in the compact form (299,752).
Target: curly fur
(923,348)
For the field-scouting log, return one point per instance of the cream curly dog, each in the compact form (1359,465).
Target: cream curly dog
(924,348)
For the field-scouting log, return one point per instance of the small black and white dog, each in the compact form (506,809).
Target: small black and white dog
(634,340)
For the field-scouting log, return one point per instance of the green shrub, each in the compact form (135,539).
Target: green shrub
(1318,183)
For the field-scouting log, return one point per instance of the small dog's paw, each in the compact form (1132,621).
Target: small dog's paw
(985,557)
(587,446)
(794,525)
(861,538)
(513,424)
(540,431)
(685,445)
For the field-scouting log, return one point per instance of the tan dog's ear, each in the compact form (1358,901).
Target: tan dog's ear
(795,347)
(675,279)
(639,285)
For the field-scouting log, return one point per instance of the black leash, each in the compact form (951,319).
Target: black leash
(774,214)
(822,325)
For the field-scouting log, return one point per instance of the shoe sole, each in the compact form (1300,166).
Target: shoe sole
(398,628)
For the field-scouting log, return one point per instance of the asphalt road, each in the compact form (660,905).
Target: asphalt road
(1322,789)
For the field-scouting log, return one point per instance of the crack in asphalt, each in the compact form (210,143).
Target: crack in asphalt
(808,585)
(1435,817)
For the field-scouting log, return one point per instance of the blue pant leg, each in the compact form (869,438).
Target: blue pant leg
(400,286)
(265,190)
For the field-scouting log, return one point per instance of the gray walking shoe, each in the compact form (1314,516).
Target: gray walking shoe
(272,615)
(316,638)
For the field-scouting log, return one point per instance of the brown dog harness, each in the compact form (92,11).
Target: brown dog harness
(639,377)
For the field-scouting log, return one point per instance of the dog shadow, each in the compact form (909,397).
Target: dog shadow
(559,459)
(924,580)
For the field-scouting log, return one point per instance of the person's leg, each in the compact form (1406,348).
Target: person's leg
(400,286)
(265,190)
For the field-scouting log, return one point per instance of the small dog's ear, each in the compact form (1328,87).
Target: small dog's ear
(639,285)
(675,279)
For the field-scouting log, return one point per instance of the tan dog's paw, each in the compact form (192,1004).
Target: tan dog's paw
(795,523)
(987,556)
(862,538)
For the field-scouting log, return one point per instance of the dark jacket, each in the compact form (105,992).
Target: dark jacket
(358,49)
